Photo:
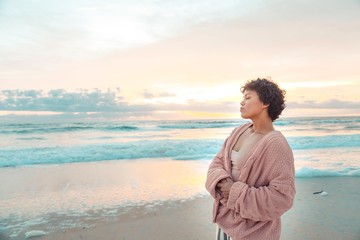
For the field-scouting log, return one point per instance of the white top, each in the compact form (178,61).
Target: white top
(238,158)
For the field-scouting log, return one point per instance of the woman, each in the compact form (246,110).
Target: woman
(252,176)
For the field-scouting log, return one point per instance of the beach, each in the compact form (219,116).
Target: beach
(181,213)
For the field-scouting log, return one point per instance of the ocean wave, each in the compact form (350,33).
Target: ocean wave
(331,141)
(305,172)
(296,124)
(177,149)
(44,129)
(31,138)
(352,127)
(121,128)
(285,122)
(199,125)
(334,120)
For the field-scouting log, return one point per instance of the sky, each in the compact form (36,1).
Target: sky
(178,59)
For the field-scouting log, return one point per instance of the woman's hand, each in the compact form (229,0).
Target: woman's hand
(224,187)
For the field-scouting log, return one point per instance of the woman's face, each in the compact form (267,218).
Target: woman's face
(251,106)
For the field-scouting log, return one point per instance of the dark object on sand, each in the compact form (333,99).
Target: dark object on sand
(318,192)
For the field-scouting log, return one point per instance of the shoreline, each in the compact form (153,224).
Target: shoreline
(155,199)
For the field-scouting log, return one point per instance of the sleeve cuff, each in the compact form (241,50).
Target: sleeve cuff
(213,180)
(234,194)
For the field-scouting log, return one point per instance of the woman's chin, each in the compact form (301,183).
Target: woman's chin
(243,115)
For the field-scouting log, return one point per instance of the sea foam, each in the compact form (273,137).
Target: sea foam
(311,172)
(34,233)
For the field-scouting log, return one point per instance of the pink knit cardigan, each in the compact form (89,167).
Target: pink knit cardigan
(263,192)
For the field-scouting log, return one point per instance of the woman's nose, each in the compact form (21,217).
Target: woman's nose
(242,103)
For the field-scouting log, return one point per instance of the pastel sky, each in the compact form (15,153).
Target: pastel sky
(176,59)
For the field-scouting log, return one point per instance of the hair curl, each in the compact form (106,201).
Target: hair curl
(269,93)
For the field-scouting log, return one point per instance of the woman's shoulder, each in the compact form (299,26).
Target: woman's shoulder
(276,139)
(275,134)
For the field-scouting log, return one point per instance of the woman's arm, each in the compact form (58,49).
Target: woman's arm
(216,171)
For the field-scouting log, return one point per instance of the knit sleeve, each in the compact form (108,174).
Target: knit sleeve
(271,201)
(216,171)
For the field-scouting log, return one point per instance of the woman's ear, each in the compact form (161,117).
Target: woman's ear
(265,105)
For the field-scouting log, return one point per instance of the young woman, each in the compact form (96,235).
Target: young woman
(252,177)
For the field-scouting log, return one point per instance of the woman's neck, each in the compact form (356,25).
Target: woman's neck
(262,125)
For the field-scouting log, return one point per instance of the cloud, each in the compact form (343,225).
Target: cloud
(148,95)
(96,103)
(167,94)
(60,100)
(109,102)
(329,104)
(82,29)
(199,106)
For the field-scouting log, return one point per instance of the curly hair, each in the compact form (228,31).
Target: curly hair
(269,93)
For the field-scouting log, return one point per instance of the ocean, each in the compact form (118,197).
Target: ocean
(322,146)
(56,175)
